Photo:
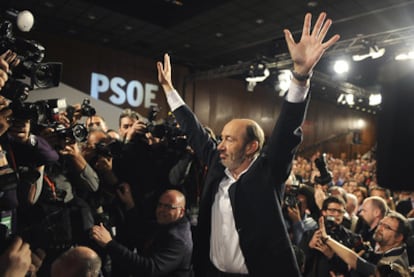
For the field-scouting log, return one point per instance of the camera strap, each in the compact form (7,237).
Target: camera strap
(51,185)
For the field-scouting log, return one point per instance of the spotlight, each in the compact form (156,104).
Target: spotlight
(258,72)
(349,98)
(374,52)
(407,54)
(250,86)
(341,66)
(375,99)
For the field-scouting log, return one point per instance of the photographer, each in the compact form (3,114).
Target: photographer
(390,236)
(61,217)
(320,260)
(299,209)
(16,258)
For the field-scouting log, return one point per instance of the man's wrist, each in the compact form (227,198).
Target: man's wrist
(301,77)
(325,239)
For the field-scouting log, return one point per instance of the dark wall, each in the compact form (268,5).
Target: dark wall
(328,127)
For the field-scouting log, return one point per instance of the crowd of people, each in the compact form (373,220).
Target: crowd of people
(118,202)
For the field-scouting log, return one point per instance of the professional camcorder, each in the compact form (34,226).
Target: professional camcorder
(168,130)
(31,54)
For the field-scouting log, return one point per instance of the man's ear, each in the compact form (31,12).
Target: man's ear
(182,212)
(252,147)
(399,237)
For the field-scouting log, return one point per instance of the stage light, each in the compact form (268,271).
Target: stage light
(375,99)
(349,98)
(250,86)
(258,72)
(341,66)
(374,52)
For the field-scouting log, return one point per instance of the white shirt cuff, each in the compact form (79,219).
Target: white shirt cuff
(174,100)
(296,93)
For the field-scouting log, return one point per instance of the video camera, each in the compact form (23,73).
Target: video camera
(41,75)
(31,54)
(168,130)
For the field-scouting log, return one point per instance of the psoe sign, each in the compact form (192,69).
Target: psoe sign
(134,93)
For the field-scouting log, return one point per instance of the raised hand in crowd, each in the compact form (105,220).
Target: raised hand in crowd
(307,52)
(5,114)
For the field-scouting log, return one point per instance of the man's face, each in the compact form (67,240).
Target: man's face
(233,145)
(380,193)
(95,122)
(169,209)
(126,124)
(367,212)
(336,211)
(386,233)
(89,149)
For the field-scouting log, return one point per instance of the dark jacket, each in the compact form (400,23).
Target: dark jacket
(167,253)
(255,197)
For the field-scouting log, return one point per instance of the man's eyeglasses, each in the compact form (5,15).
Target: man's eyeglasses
(168,206)
(386,226)
(332,210)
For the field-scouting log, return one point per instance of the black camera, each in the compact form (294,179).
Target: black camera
(346,237)
(291,193)
(108,149)
(85,110)
(325,175)
(77,132)
(30,54)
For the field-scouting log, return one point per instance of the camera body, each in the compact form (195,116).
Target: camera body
(325,175)
(290,198)
(346,237)
(76,132)
(108,149)
(30,54)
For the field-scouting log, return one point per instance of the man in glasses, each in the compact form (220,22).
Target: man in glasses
(168,244)
(320,260)
(373,210)
(390,235)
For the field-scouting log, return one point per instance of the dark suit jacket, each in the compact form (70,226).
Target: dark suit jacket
(167,253)
(255,197)
(404,206)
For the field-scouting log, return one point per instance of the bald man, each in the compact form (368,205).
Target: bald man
(79,261)
(167,251)
(241,229)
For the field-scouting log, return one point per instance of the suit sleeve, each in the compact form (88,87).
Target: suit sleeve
(166,259)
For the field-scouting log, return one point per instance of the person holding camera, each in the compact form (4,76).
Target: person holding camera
(320,260)
(16,257)
(165,247)
(390,236)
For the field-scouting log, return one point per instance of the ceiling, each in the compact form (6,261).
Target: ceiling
(220,38)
